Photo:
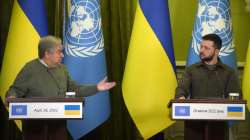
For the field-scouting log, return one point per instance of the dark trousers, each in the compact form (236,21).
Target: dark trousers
(44,130)
(205,130)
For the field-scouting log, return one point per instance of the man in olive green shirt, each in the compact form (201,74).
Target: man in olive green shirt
(209,78)
(47,77)
(202,80)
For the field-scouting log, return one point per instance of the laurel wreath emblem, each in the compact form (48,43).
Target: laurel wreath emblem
(84,51)
(226,50)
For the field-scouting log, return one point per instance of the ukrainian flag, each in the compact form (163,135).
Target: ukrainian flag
(234,111)
(28,24)
(246,78)
(149,80)
(72,110)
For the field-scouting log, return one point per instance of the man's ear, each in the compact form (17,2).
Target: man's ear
(46,54)
(217,51)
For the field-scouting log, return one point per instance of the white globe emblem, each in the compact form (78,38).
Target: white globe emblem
(182,111)
(84,34)
(213,17)
(19,110)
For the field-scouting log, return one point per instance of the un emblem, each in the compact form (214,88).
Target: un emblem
(84,33)
(213,17)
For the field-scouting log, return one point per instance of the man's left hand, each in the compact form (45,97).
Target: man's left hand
(105,85)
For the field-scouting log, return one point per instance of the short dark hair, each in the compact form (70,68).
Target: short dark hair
(47,44)
(215,38)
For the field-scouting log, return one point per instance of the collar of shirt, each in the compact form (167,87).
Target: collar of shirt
(43,63)
(218,65)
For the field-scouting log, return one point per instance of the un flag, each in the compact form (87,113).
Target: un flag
(85,59)
(213,16)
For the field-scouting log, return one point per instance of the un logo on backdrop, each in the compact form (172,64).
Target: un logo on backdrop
(214,17)
(84,33)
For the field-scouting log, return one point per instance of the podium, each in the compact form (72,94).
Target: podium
(207,119)
(44,118)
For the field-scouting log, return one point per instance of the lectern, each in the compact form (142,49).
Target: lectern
(45,117)
(210,114)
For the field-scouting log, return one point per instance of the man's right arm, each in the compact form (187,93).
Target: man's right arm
(183,88)
(80,89)
(20,86)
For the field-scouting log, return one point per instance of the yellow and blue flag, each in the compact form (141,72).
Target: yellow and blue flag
(71,109)
(234,111)
(28,23)
(246,79)
(149,80)
(213,16)
(85,59)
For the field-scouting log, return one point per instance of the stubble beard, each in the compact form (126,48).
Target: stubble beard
(207,59)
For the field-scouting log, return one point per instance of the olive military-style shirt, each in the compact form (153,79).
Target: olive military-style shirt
(37,80)
(207,81)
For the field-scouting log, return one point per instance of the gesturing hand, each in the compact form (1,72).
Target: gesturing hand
(105,85)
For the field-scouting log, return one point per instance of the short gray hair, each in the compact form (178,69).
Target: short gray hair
(47,44)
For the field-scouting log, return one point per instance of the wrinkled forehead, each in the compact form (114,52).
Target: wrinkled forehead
(58,46)
(207,43)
